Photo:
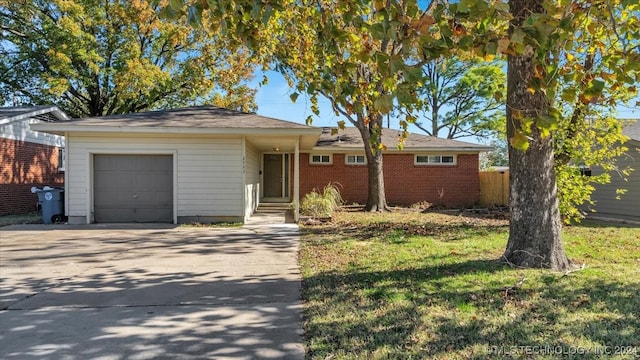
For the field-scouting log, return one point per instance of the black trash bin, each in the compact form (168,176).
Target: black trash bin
(52,201)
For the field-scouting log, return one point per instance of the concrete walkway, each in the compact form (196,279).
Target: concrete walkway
(150,292)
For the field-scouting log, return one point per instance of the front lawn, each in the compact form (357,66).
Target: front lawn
(407,285)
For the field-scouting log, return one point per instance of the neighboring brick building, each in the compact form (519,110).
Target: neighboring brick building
(439,171)
(28,158)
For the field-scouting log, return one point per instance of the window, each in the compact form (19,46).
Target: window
(435,160)
(320,159)
(584,170)
(355,160)
(61,159)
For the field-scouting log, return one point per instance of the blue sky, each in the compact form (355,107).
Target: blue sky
(273,101)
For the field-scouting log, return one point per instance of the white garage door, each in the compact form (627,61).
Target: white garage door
(133,188)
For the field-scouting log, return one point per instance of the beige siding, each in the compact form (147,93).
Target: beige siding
(207,179)
(628,206)
(251,180)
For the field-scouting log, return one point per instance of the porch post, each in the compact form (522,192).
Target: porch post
(65,152)
(296,181)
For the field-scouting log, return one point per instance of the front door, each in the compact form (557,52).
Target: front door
(273,166)
(276,176)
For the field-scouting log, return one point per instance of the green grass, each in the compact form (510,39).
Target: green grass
(408,285)
(30,218)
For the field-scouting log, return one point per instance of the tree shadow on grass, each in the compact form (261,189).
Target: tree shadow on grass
(445,311)
(384,230)
(578,321)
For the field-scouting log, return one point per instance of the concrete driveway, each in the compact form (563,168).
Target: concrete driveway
(159,292)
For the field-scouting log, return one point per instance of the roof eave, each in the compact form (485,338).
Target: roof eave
(459,150)
(61,129)
(51,109)
(60,114)
(635,142)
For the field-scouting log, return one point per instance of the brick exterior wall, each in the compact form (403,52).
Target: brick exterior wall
(405,183)
(23,165)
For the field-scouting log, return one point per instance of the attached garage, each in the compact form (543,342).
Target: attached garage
(133,188)
(200,164)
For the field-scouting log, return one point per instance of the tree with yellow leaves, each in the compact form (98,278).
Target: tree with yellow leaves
(568,61)
(95,58)
(366,57)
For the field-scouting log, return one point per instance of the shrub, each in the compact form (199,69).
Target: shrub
(319,205)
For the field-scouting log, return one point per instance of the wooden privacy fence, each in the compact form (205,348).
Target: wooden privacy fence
(494,188)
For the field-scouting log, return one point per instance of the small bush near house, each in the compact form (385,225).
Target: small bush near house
(422,205)
(321,205)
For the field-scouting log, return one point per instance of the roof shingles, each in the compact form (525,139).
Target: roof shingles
(350,138)
(632,130)
(193,117)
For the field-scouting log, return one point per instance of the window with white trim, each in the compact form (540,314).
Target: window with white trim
(355,160)
(435,159)
(320,159)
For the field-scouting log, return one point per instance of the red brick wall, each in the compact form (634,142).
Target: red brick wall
(405,183)
(23,165)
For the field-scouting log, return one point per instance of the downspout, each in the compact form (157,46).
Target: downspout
(243,184)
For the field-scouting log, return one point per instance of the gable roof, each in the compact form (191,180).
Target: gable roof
(198,120)
(349,138)
(197,117)
(47,113)
(632,129)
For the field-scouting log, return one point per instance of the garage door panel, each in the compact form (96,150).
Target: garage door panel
(147,178)
(114,162)
(151,198)
(145,164)
(152,214)
(129,163)
(114,179)
(110,200)
(164,182)
(154,164)
(115,213)
(133,188)
(98,181)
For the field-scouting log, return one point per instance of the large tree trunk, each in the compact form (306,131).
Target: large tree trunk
(376,199)
(372,134)
(535,231)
